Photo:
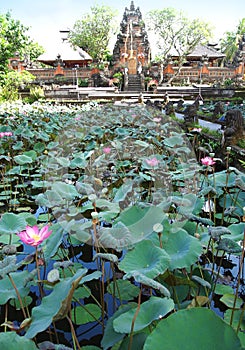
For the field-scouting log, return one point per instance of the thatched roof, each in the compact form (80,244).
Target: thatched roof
(67,54)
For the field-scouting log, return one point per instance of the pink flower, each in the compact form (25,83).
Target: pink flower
(196,130)
(157,120)
(207,161)
(33,236)
(152,161)
(107,150)
(5,133)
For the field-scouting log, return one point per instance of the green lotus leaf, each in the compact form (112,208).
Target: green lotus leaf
(237,318)
(65,190)
(153,309)
(174,141)
(55,305)
(231,301)
(218,231)
(117,237)
(12,341)
(237,231)
(123,290)
(106,256)
(140,278)
(63,161)
(23,159)
(7,290)
(80,315)
(191,329)
(12,223)
(39,147)
(50,199)
(229,246)
(146,259)
(32,154)
(140,221)
(222,289)
(222,180)
(110,336)
(183,249)
(78,162)
(137,341)
(237,199)
(123,191)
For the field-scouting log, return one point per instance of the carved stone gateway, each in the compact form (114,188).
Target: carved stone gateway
(132,49)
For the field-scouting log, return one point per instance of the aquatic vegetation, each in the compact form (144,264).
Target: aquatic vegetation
(140,231)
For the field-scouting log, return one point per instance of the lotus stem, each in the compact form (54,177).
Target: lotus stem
(76,344)
(18,295)
(238,285)
(134,319)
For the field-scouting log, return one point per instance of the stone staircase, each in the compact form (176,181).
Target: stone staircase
(134,83)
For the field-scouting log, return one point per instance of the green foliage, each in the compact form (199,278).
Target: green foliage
(12,82)
(14,39)
(92,33)
(229,43)
(175,31)
(193,329)
(140,228)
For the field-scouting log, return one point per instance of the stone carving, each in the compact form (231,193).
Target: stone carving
(190,113)
(169,108)
(132,41)
(219,108)
(234,127)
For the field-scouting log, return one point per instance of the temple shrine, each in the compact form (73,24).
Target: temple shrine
(133,60)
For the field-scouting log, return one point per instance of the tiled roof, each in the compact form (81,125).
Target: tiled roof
(201,50)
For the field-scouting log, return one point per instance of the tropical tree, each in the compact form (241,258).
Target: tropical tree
(13,39)
(176,34)
(93,31)
(229,43)
(12,82)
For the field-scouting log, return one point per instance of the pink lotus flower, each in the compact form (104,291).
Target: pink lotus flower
(157,120)
(33,236)
(5,133)
(196,130)
(152,161)
(207,161)
(107,150)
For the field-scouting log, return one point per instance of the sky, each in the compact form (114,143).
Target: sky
(46,18)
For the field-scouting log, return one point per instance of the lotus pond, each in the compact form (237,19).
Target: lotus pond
(115,233)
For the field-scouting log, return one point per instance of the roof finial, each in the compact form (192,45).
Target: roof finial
(132,8)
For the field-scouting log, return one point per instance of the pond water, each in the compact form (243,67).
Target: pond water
(203,123)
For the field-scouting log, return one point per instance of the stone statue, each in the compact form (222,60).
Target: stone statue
(219,108)
(169,108)
(234,127)
(190,113)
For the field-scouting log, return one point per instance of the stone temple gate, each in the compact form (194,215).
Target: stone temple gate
(132,49)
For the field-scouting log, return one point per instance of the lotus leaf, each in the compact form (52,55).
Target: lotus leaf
(11,223)
(191,329)
(84,314)
(153,309)
(182,248)
(146,259)
(229,246)
(55,305)
(123,290)
(110,336)
(13,341)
